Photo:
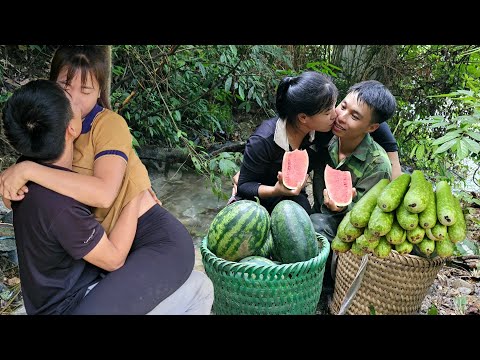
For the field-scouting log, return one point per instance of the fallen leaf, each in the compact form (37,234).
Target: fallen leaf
(13,281)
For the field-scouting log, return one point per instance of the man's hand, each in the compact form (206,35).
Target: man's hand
(396,168)
(12,182)
(329,203)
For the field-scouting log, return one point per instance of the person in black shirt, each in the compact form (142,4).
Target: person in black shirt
(67,263)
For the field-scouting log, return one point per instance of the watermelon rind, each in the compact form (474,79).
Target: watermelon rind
(294,237)
(239,230)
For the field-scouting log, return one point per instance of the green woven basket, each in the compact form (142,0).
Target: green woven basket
(247,289)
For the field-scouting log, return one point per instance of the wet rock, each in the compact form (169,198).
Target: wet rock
(7,217)
(7,244)
(3,209)
(190,212)
(174,175)
(464,291)
(20,311)
(460,283)
(12,256)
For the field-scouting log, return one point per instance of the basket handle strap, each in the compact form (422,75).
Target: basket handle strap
(352,290)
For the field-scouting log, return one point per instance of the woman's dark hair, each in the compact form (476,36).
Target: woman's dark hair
(310,93)
(35,119)
(93,59)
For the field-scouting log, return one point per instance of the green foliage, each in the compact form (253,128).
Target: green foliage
(197,89)
(466,247)
(192,96)
(423,72)
(432,310)
(444,142)
(188,96)
(223,166)
(324,67)
(319,66)
(4,95)
(462,133)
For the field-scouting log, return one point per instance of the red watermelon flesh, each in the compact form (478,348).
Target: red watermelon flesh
(339,186)
(294,168)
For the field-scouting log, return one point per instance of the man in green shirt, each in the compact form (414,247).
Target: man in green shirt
(366,106)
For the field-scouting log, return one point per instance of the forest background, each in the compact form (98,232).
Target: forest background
(197,105)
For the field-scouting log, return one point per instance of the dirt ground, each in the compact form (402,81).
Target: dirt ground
(456,290)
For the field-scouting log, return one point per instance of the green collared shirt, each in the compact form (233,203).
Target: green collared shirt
(368,164)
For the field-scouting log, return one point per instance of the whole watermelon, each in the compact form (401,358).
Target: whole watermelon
(267,248)
(294,237)
(257,260)
(238,230)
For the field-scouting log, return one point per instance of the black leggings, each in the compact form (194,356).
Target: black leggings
(160,261)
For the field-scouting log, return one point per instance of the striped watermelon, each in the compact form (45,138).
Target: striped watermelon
(267,248)
(257,260)
(294,237)
(239,230)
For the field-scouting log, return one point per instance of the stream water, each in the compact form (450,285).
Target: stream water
(189,197)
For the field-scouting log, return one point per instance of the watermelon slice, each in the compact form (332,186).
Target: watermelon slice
(339,186)
(294,168)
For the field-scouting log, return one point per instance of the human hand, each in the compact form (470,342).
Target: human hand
(280,189)
(12,182)
(235,183)
(157,200)
(329,203)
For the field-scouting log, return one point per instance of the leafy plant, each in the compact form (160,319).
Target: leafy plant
(432,310)
(448,141)
(225,164)
(460,303)
(188,96)
(462,135)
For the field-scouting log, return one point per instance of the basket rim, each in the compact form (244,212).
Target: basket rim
(406,259)
(437,259)
(222,264)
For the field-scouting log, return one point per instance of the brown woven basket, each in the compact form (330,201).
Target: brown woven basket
(394,285)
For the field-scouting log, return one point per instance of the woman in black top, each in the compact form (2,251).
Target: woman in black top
(305,105)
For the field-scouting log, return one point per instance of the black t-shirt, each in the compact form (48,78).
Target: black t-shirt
(53,233)
(384,137)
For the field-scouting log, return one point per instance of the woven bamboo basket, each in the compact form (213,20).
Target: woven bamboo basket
(247,289)
(394,285)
